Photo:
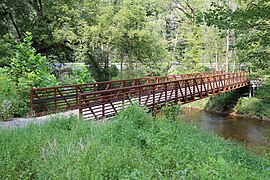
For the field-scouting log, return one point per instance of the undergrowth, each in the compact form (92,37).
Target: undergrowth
(134,145)
(253,107)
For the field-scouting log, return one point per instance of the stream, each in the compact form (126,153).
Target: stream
(255,134)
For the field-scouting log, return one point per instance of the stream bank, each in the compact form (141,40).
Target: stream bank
(234,104)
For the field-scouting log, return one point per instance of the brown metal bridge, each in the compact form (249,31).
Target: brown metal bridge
(104,99)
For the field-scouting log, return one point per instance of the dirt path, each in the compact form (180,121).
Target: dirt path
(22,122)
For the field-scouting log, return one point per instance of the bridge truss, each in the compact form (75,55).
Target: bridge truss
(104,99)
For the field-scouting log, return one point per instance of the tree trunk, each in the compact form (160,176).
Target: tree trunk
(217,60)
(227,49)
(234,59)
(121,68)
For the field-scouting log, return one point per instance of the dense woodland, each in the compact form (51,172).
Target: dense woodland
(119,39)
(144,36)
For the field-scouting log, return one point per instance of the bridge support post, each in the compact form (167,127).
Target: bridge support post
(250,93)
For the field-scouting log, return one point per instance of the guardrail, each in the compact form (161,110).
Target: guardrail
(106,103)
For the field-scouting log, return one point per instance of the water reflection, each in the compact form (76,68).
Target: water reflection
(254,133)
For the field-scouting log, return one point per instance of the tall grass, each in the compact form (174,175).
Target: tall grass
(132,146)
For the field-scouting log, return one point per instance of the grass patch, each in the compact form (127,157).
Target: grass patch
(132,146)
(253,107)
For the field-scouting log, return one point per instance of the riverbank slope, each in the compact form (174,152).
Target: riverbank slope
(231,103)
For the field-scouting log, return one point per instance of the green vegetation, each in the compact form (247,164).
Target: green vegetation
(223,102)
(144,36)
(219,103)
(255,107)
(232,102)
(133,145)
(11,102)
(263,92)
(27,70)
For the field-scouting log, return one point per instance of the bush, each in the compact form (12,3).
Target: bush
(78,75)
(253,107)
(264,91)
(11,102)
(221,102)
(25,71)
(171,110)
(28,69)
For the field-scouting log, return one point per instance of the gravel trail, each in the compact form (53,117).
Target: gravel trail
(22,122)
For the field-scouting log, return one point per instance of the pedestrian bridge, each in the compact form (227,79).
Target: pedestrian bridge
(104,99)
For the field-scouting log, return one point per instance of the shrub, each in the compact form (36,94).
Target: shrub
(253,107)
(171,110)
(12,104)
(78,75)
(28,69)
(264,91)
(221,102)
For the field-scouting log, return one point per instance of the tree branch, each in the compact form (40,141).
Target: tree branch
(13,21)
(191,9)
(179,6)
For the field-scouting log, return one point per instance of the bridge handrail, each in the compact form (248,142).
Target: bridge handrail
(131,79)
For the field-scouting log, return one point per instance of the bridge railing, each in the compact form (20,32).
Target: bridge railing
(61,98)
(105,103)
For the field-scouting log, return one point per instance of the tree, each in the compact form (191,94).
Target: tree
(28,69)
(250,22)
(39,17)
(109,30)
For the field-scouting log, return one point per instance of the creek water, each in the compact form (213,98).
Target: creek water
(254,134)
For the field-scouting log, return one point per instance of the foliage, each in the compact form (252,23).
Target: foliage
(219,103)
(146,34)
(171,111)
(180,69)
(11,103)
(253,107)
(78,75)
(250,22)
(7,47)
(27,69)
(40,18)
(132,146)
(264,91)
(222,101)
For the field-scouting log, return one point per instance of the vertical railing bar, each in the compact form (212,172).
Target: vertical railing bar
(31,102)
